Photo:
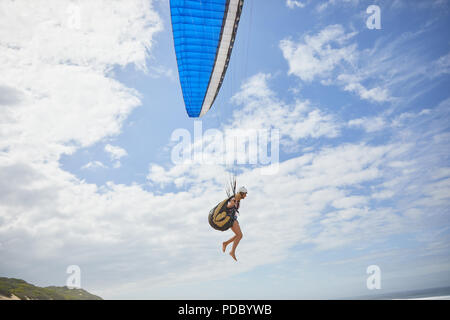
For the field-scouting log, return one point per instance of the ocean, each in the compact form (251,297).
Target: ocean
(423,294)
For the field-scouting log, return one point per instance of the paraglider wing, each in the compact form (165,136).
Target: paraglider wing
(204,33)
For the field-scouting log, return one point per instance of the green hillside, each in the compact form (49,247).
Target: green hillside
(24,290)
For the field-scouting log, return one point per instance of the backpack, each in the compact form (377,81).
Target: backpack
(219,217)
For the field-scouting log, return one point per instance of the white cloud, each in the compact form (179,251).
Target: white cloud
(329,57)
(315,56)
(325,5)
(115,153)
(291,4)
(369,124)
(64,32)
(93,165)
(386,122)
(57,57)
(441,66)
(351,83)
(297,121)
(349,202)
(332,57)
(405,117)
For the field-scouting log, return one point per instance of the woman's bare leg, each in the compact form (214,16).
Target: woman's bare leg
(226,243)
(238,236)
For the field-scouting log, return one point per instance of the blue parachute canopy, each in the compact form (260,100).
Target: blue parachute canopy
(203,33)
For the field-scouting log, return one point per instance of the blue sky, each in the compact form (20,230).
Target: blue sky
(88,109)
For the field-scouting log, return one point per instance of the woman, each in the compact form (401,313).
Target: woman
(232,207)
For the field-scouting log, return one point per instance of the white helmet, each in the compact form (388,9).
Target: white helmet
(242,189)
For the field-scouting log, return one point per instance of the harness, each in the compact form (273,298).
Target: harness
(220,217)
